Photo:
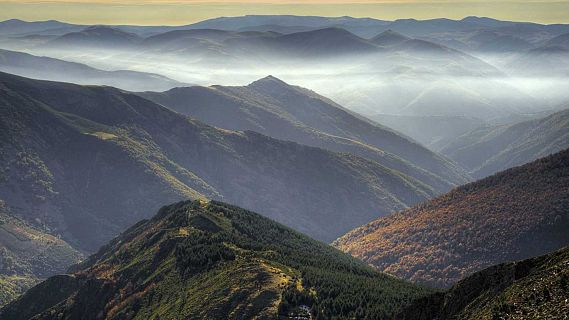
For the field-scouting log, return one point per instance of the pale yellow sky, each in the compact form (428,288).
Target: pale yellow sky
(178,12)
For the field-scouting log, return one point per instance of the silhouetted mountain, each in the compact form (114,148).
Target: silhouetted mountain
(516,214)
(28,255)
(388,38)
(20,27)
(45,68)
(215,261)
(329,41)
(363,27)
(272,107)
(490,149)
(95,36)
(488,22)
(530,289)
(321,42)
(89,161)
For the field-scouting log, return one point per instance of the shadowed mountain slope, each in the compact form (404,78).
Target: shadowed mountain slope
(89,161)
(272,107)
(215,261)
(515,214)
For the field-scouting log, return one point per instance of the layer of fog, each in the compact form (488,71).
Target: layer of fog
(391,84)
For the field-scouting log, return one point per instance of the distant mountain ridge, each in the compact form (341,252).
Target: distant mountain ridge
(489,149)
(96,36)
(45,68)
(272,107)
(515,214)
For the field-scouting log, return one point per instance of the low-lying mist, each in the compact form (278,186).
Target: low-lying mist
(407,84)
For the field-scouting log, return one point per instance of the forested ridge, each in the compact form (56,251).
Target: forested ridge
(213,260)
(516,214)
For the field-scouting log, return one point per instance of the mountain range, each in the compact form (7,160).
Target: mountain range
(277,109)
(215,261)
(397,68)
(515,214)
(89,161)
(363,27)
(100,128)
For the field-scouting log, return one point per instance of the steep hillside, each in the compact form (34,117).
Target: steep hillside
(489,149)
(28,255)
(272,107)
(199,260)
(515,214)
(89,161)
(45,68)
(536,288)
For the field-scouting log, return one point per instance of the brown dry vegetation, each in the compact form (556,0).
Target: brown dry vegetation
(516,214)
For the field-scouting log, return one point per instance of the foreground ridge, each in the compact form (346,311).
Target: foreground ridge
(535,288)
(215,261)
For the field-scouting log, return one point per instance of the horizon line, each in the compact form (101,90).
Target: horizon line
(278,15)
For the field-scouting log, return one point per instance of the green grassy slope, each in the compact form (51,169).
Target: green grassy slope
(212,260)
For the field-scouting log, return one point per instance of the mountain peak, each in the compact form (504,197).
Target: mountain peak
(389,37)
(269,80)
(102,29)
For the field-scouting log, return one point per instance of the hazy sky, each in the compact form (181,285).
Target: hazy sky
(177,12)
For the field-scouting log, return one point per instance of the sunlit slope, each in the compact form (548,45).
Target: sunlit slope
(28,255)
(215,261)
(515,214)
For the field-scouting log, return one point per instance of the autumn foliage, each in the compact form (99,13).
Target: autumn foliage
(515,214)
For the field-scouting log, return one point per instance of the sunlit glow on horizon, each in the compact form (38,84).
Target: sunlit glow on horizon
(179,12)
